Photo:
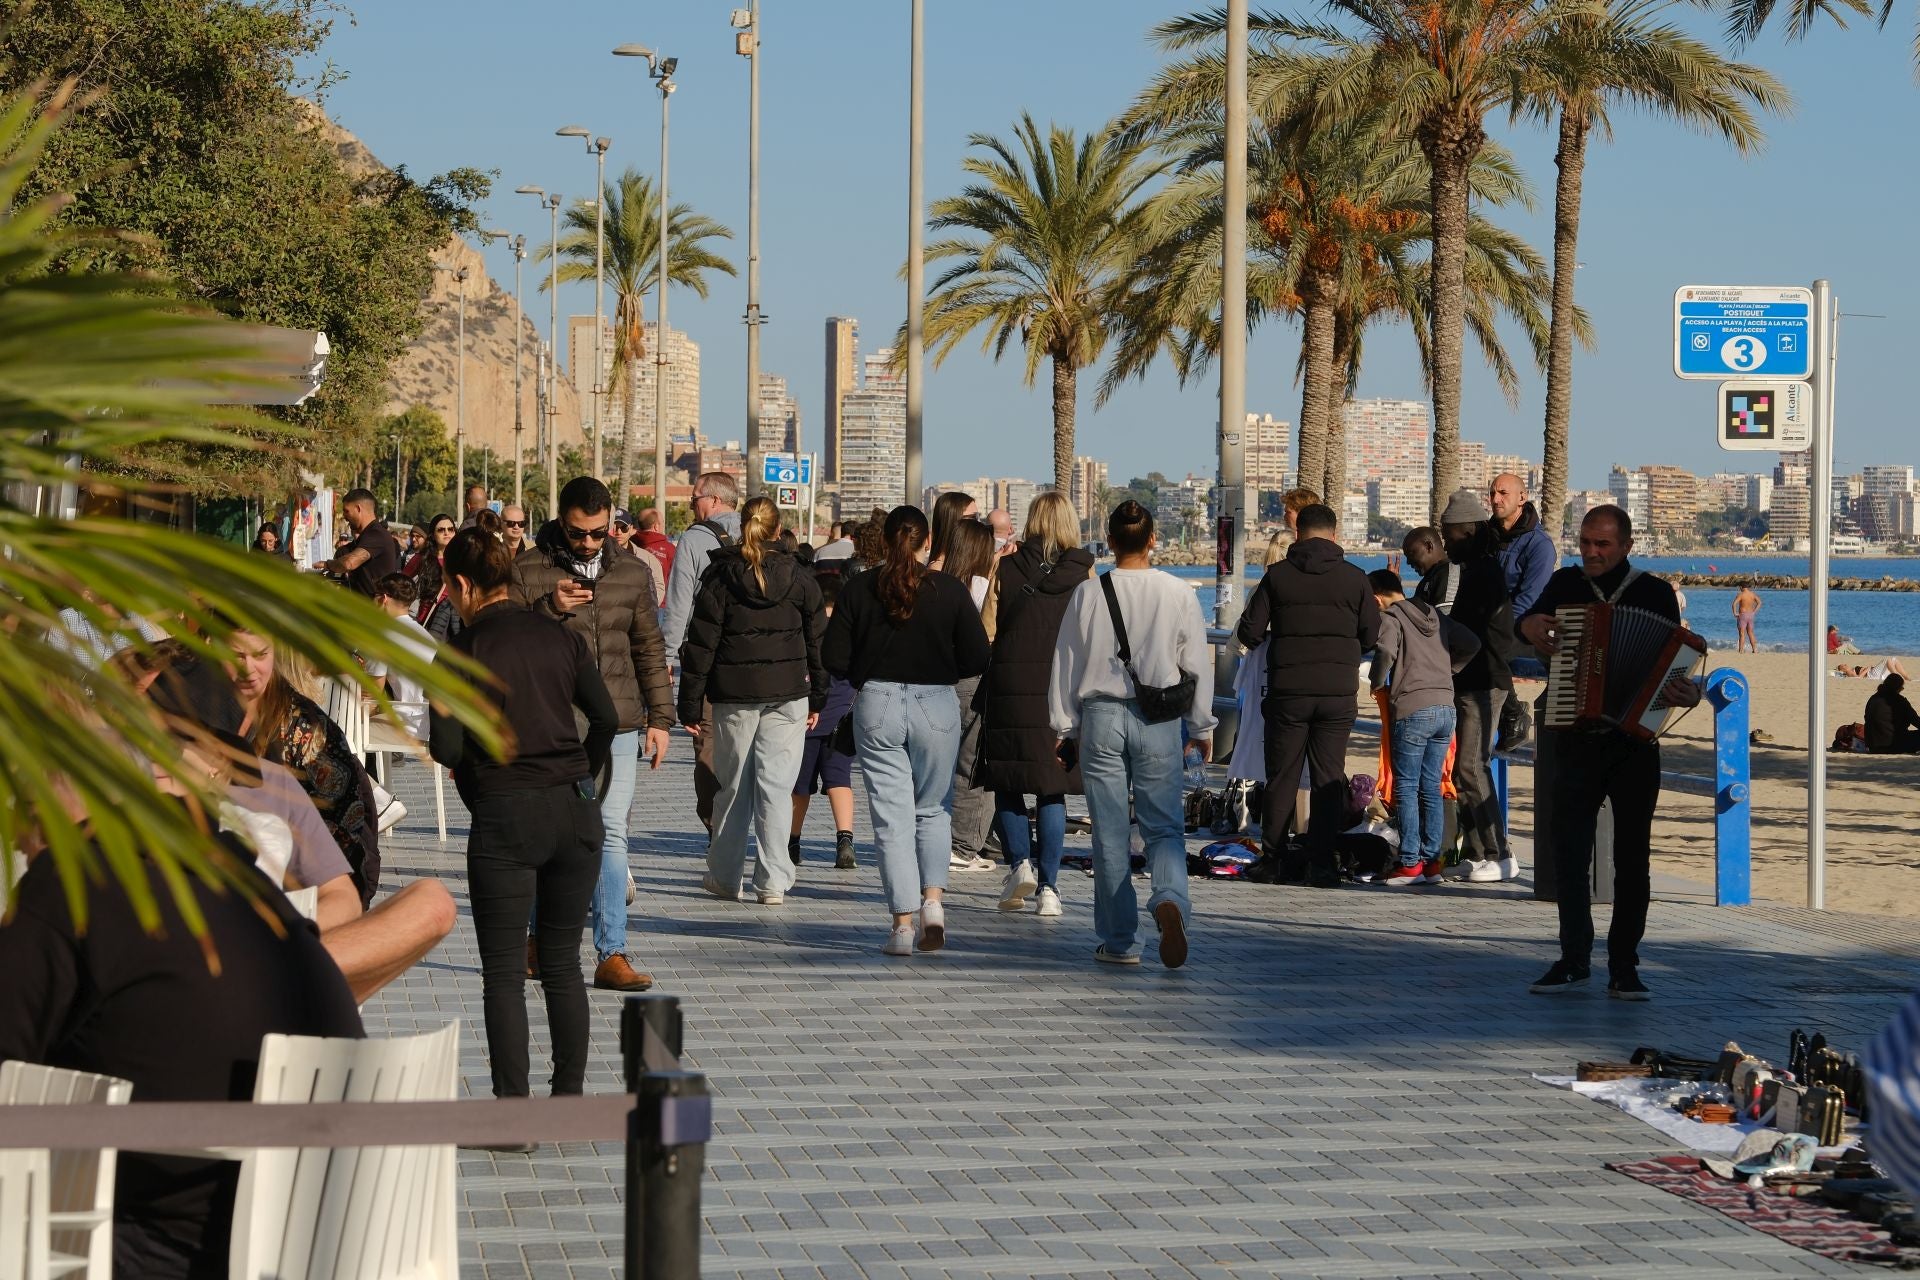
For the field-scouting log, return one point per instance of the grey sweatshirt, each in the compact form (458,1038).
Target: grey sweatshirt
(1416,656)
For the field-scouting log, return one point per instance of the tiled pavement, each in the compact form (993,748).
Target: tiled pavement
(1337,1084)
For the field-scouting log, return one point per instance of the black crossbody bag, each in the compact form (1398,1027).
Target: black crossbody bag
(1158,703)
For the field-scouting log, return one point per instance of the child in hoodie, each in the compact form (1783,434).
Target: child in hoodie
(1414,659)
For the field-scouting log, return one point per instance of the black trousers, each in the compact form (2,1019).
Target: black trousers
(1592,768)
(1313,730)
(525,844)
(706,783)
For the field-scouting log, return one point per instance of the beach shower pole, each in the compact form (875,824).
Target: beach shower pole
(1826,357)
(1230,515)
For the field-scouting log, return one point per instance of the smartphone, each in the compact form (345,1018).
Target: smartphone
(584,584)
(1068,753)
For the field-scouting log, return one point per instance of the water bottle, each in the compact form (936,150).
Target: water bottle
(1196,767)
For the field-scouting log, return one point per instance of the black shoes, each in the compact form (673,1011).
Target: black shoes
(793,849)
(843,851)
(1627,986)
(1560,979)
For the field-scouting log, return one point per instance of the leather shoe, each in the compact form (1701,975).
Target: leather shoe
(616,973)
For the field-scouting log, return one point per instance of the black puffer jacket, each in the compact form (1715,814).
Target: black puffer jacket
(1322,615)
(1016,738)
(746,643)
(1483,607)
(621,626)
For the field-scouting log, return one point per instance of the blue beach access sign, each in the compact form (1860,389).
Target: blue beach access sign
(1731,331)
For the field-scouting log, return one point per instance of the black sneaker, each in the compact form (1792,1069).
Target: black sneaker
(793,849)
(1561,978)
(843,851)
(1627,986)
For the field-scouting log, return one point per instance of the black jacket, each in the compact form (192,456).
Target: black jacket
(1483,607)
(944,641)
(748,644)
(1888,716)
(1322,616)
(1016,737)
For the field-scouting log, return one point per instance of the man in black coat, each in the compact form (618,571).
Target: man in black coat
(1482,687)
(1322,616)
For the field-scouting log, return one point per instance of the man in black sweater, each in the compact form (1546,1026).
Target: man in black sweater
(1599,765)
(1482,687)
(1322,615)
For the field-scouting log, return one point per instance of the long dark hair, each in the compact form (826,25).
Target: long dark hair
(429,576)
(969,551)
(901,572)
(947,512)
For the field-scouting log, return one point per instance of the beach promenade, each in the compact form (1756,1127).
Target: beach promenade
(1338,1084)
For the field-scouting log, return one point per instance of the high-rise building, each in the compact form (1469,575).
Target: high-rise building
(779,416)
(1672,502)
(1790,517)
(1721,491)
(1759,493)
(1886,480)
(1512,464)
(1084,483)
(1014,497)
(872,445)
(1629,491)
(683,387)
(1269,453)
(1473,466)
(1402,501)
(1846,491)
(1581,501)
(1387,440)
(1353,519)
(1793,468)
(843,357)
(1180,508)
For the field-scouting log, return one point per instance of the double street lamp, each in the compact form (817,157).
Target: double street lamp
(597,148)
(549,427)
(660,70)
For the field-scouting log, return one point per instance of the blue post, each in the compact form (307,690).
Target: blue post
(1498,767)
(1732,790)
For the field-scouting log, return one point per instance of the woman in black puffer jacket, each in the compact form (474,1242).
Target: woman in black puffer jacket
(1017,741)
(753,651)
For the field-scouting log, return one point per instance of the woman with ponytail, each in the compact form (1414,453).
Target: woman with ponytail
(536,823)
(904,637)
(752,650)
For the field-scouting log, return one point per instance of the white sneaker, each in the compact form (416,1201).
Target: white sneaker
(633,889)
(933,927)
(981,862)
(390,815)
(771,897)
(1021,882)
(715,888)
(1487,872)
(1461,870)
(899,942)
(1509,868)
(958,861)
(1047,904)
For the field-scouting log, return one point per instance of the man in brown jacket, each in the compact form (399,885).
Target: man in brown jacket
(609,599)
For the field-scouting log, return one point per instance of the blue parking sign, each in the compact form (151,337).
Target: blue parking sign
(784,468)
(1722,331)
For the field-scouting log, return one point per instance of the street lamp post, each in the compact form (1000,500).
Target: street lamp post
(597,147)
(747,44)
(549,415)
(916,251)
(519,361)
(1230,512)
(661,70)
(396,475)
(460,386)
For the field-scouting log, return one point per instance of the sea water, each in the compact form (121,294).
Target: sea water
(1879,622)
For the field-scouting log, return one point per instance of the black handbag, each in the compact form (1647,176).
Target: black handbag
(1158,703)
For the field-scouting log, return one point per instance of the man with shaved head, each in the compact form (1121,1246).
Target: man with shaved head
(1527,553)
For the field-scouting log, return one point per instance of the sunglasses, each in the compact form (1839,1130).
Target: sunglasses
(585,535)
(516,524)
(443,528)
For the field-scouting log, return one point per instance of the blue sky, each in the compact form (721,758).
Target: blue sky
(433,84)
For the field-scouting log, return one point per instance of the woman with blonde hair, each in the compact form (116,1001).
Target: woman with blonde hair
(1017,741)
(752,650)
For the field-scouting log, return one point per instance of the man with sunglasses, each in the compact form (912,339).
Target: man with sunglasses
(572,573)
(715,524)
(515,520)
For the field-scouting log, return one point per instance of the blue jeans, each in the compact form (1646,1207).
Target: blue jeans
(1121,755)
(610,894)
(1010,812)
(906,737)
(1420,743)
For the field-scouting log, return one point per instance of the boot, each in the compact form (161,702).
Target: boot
(616,973)
(843,851)
(793,849)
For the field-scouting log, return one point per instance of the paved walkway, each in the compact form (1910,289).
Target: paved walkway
(1337,1084)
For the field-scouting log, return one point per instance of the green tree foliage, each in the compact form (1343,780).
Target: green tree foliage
(188,137)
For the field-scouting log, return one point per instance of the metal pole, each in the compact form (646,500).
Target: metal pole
(756,447)
(1230,559)
(599,303)
(660,325)
(460,399)
(1826,324)
(916,254)
(519,359)
(396,477)
(553,361)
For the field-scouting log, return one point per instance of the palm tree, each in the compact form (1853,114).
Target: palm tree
(1059,220)
(1430,70)
(1609,56)
(103,378)
(1746,19)
(632,264)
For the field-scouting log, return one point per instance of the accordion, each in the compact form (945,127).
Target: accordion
(1612,667)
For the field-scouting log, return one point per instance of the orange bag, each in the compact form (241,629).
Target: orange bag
(1383,781)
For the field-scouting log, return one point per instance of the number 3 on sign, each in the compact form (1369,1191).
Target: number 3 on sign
(1743,353)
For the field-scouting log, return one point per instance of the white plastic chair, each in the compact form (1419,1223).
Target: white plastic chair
(305,901)
(76,1216)
(23,1215)
(385,739)
(371,1213)
(344,706)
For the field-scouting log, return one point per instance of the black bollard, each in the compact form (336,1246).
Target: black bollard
(675,1120)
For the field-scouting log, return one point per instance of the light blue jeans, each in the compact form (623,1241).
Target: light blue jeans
(1121,755)
(1420,742)
(906,737)
(610,895)
(756,752)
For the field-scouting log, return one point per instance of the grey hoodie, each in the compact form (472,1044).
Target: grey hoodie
(1420,651)
(696,548)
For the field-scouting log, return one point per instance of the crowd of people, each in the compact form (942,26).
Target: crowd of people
(977,676)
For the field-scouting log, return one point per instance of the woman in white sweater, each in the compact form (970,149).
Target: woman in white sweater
(1095,705)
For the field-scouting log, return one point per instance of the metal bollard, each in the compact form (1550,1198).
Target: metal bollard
(667,1134)
(1732,790)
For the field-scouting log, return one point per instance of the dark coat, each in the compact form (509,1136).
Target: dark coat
(746,644)
(621,626)
(1322,615)
(1483,607)
(1016,738)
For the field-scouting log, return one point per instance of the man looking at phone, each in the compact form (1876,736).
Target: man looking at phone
(569,574)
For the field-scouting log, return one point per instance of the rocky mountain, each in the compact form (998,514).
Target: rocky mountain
(428,372)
